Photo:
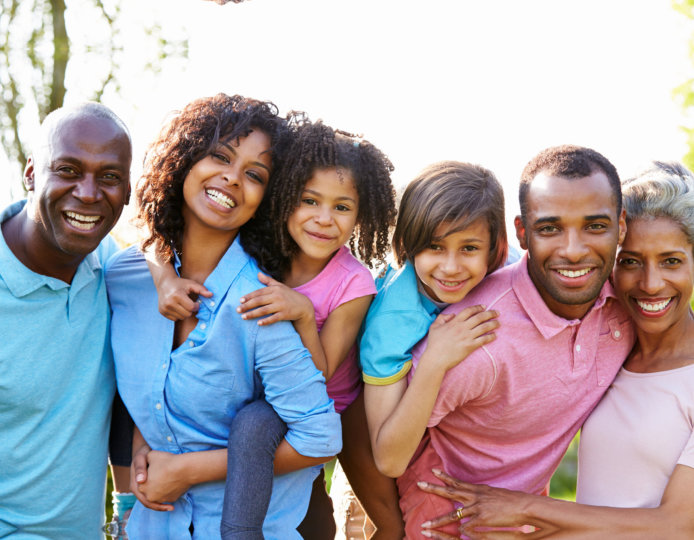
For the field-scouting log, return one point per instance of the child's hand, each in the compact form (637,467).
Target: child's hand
(165,481)
(282,303)
(176,297)
(452,337)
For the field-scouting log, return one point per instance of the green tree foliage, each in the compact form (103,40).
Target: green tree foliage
(48,47)
(684,93)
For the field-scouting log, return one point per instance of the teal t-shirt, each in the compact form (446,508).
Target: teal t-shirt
(399,317)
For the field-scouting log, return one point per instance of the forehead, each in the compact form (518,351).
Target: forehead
(656,235)
(560,197)
(87,138)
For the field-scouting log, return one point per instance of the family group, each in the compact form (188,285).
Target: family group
(244,343)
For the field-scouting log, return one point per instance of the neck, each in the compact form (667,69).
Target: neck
(202,250)
(303,269)
(28,245)
(672,348)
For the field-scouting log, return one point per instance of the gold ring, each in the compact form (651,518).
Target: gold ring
(459,512)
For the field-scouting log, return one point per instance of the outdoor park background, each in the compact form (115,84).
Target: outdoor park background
(490,82)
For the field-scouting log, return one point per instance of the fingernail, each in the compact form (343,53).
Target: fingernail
(426,533)
(140,477)
(244,316)
(238,309)
(436,471)
(421,484)
(242,300)
(426,524)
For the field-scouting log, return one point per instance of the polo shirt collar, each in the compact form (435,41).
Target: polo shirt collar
(22,281)
(221,278)
(547,323)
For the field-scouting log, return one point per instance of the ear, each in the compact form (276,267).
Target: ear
(29,175)
(128,193)
(520,232)
(622,226)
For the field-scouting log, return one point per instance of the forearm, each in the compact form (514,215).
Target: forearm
(395,442)
(308,332)
(288,460)
(203,466)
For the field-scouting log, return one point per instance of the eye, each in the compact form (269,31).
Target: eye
(548,229)
(221,157)
(342,208)
(627,261)
(256,177)
(597,227)
(309,201)
(672,261)
(435,247)
(111,178)
(469,249)
(66,170)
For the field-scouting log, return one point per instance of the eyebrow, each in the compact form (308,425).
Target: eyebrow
(256,163)
(76,161)
(556,219)
(663,254)
(343,198)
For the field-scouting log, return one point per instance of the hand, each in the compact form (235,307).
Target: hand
(452,337)
(176,297)
(138,477)
(483,506)
(165,481)
(282,303)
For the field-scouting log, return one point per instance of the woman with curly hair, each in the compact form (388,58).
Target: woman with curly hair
(204,178)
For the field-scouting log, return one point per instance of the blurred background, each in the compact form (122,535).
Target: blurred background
(488,82)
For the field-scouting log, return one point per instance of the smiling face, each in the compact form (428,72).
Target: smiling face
(654,274)
(327,212)
(571,231)
(454,262)
(223,190)
(78,183)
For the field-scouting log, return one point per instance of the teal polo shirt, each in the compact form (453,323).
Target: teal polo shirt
(56,389)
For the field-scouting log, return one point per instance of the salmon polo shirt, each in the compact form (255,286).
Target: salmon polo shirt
(506,414)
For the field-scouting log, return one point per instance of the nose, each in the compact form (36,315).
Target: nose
(450,264)
(651,279)
(575,248)
(231,175)
(87,189)
(323,215)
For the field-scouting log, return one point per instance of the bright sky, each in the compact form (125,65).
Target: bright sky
(491,82)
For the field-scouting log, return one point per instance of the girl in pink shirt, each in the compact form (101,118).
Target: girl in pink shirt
(333,189)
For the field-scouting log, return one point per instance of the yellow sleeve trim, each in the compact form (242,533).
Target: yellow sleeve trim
(384,381)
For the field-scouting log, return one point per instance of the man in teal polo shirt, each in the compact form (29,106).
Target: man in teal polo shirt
(56,371)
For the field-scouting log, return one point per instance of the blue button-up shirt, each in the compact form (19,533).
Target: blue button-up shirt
(184,400)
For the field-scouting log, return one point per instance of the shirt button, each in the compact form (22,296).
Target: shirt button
(168,438)
(578,348)
(158,406)
(203,325)
(617,333)
(163,366)
(212,303)
(191,343)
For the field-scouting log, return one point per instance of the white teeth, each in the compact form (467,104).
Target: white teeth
(653,307)
(449,283)
(82,222)
(574,273)
(220,198)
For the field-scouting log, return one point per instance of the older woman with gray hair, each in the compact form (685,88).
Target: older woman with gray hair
(636,456)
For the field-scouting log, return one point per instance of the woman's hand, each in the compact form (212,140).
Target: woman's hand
(483,506)
(166,479)
(138,473)
(176,297)
(280,302)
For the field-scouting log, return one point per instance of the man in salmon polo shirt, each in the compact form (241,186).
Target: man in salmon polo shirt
(506,414)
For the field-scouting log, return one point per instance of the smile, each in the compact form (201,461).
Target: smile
(82,221)
(653,307)
(319,236)
(220,198)
(573,273)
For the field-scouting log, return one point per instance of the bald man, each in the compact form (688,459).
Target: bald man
(56,371)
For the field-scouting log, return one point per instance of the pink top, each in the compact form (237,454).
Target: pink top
(506,414)
(638,433)
(343,279)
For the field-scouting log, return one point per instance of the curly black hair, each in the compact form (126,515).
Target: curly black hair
(316,146)
(188,137)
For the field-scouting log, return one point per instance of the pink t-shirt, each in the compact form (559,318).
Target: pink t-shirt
(343,279)
(638,433)
(506,414)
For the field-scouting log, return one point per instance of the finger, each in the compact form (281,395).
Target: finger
(479,318)
(484,328)
(139,467)
(470,311)
(275,317)
(195,288)
(438,535)
(442,318)
(253,294)
(267,280)
(446,492)
(261,311)
(257,300)
(451,517)
(453,482)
